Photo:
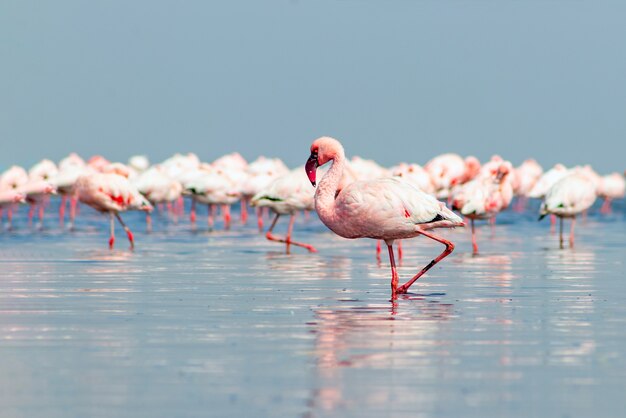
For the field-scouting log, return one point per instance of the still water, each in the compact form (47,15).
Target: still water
(226,324)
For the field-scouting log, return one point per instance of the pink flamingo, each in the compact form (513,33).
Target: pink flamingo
(387,209)
(485,197)
(449,170)
(571,195)
(612,186)
(70,169)
(111,193)
(286,195)
(158,188)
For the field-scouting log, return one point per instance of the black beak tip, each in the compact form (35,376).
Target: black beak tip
(313,183)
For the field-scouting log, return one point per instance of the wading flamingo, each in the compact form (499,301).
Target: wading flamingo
(286,195)
(386,209)
(568,197)
(111,193)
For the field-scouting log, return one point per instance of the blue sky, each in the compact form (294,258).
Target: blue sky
(396,80)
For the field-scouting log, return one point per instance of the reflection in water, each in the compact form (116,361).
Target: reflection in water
(372,337)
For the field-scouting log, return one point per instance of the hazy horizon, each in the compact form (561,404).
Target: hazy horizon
(394,81)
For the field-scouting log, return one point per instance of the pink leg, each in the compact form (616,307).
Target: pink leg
(378,248)
(259,219)
(41,211)
(400,252)
(31,213)
(226,214)
(287,240)
(73,207)
(211,216)
(131,238)
(112,232)
(552,222)
(561,232)
(148,222)
(192,212)
(394,272)
(606,206)
(474,243)
(307,215)
(244,210)
(449,248)
(62,209)
(571,232)
(181,206)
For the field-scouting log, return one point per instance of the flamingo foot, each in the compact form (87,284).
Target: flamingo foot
(131,239)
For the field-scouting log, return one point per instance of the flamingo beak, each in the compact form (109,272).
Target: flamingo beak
(311,167)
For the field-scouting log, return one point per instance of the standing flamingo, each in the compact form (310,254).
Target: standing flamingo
(449,170)
(386,209)
(111,193)
(612,186)
(485,196)
(286,195)
(568,197)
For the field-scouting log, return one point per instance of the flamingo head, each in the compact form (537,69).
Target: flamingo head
(323,150)
(503,170)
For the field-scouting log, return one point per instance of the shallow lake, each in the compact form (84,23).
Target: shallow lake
(226,324)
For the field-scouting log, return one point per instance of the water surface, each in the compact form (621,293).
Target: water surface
(225,324)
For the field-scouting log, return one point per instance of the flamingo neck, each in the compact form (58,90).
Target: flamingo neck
(327,189)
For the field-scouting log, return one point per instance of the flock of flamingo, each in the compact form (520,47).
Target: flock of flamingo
(355,198)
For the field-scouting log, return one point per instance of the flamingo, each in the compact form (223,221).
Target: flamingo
(157,187)
(70,169)
(485,196)
(215,186)
(527,175)
(611,187)
(387,209)
(568,197)
(261,173)
(139,163)
(39,187)
(448,170)
(14,178)
(111,193)
(8,198)
(286,195)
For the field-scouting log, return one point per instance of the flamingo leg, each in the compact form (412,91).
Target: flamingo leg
(226,215)
(571,232)
(394,271)
(131,238)
(148,222)
(552,222)
(192,212)
(211,216)
(378,249)
(31,213)
(449,248)
(474,243)
(62,209)
(561,232)
(112,232)
(287,240)
(41,211)
(400,252)
(606,206)
(259,219)
(244,210)
(73,203)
